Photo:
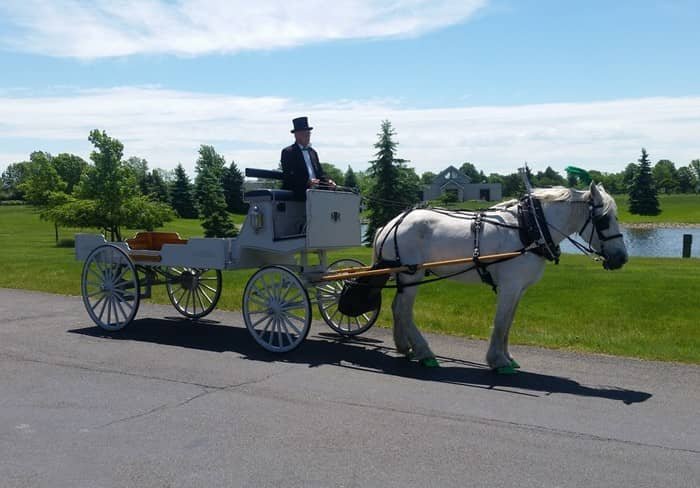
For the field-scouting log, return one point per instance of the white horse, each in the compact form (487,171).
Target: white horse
(425,235)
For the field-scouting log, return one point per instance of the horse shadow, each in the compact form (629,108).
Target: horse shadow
(359,353)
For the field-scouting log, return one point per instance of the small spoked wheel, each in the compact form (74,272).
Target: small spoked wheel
(110,287)
(194,292)
(276,309)
(328,295)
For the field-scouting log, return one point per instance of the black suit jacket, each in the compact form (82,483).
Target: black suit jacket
(295,175)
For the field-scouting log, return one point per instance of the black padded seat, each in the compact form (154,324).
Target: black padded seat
(274,195)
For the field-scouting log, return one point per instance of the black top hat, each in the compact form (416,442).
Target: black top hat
(301,123)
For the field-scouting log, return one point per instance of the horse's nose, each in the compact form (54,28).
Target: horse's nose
(615,261)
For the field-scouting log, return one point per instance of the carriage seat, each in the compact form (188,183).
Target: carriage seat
(153,241)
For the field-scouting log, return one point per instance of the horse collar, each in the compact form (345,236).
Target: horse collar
(534,229)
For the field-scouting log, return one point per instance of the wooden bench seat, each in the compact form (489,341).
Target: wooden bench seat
(153,241)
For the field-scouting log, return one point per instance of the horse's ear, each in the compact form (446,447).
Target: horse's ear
(594,190)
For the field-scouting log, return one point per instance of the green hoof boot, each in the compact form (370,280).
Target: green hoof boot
(514,364)
(506,370)
(429,363)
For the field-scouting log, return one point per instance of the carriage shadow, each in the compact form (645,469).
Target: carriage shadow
(358,353)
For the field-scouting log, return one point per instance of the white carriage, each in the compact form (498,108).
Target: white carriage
(287,240)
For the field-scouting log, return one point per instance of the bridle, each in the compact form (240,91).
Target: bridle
(599,223)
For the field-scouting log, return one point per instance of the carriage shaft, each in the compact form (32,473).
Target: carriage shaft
(344,275)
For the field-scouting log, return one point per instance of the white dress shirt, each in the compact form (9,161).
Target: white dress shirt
(307,160)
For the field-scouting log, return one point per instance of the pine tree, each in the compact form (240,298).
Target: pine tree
(156,187)
(181,194)
(209,194)
(350,178)
(233,189)
(642,192)
(394,186)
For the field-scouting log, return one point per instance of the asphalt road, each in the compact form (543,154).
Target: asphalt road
(170,403)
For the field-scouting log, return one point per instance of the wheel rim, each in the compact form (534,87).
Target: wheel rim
(276,309)
(194,292)
(110,287)
(328,295)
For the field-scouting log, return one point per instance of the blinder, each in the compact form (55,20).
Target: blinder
(600,223)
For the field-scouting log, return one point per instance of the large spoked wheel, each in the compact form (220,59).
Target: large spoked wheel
(276,309)
(110,287)
(328,295)
(193,292)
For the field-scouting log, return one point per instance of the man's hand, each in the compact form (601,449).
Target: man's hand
(315,182)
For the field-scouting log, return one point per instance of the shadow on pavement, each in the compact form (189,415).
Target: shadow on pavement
(360,353)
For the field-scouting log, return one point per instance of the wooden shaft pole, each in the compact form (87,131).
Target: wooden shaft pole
(341,275)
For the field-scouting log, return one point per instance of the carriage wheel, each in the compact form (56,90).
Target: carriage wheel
(110,287)
(194,292)
(328,295)
(276,309)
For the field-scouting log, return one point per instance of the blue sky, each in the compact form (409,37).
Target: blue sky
(494,82)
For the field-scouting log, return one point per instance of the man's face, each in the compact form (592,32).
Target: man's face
(302,137)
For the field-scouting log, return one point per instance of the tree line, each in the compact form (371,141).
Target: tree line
(111,193)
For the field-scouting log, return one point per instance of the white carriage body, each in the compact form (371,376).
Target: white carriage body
(276,228)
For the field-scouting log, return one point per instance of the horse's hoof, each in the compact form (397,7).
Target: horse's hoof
(506,370)
(514,364)
(429,363)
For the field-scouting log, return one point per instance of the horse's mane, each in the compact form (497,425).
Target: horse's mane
(563,194)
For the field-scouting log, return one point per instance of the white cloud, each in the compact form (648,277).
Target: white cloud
(167,127)
(109,28)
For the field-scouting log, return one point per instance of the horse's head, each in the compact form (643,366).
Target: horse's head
(602,231)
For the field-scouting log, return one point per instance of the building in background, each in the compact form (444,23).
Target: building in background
(453,181)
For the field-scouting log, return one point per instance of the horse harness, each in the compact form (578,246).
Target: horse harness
(532,228)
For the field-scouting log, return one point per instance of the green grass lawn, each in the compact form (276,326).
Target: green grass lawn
(649,309)
(674,209)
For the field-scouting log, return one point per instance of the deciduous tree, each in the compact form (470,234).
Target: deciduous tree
(70,168)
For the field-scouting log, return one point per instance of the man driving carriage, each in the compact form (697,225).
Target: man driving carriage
(300,164)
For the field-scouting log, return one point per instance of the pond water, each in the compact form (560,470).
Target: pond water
(654,242)
(648,242)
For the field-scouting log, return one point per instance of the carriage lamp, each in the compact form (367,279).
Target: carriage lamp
(256,218)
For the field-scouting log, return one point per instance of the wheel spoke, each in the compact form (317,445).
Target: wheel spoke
(279,332)
(294,306)
(97,303)
(299,319)
(198,295)
(204,285)
(203,293)
(296,330)
(258,301)
(261,319)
